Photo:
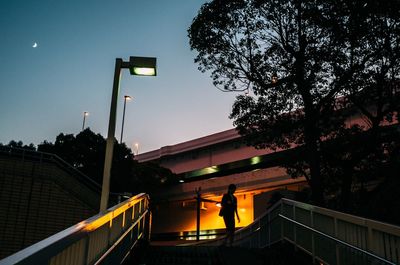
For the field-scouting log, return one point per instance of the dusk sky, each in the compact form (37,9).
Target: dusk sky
(44,90)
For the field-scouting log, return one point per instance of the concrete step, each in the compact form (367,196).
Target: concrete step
(278,254)
(181,255)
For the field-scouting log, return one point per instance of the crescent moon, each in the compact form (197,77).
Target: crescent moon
(35,45)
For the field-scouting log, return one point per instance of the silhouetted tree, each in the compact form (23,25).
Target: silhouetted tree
(20,145)
(298,57)
(86,153)
(276,49)
(366,65)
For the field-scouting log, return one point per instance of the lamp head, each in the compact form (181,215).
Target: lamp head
(145,66)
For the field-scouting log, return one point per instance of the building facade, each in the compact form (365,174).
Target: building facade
(207,166)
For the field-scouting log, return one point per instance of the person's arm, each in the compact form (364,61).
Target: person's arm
(237,216)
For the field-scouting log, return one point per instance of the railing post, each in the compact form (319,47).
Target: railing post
(149,225)
(336,245)
(198,204)
(86,251)
(369,239)
(281,206)
(312,235)
(294,227)
(269,229)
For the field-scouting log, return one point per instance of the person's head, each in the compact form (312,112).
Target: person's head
(231,188)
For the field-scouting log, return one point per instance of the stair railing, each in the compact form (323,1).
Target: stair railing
(328,236)
(106,238)
(333,237)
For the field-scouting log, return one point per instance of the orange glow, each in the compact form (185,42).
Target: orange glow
(210,220)
(109,216)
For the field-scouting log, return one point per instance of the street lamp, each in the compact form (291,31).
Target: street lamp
(123,116)
(144,66)
(85,113)
(274,78)
(137,148)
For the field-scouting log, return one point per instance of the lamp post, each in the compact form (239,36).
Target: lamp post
(144,66)
(123,116)
(85,113)
(137,148)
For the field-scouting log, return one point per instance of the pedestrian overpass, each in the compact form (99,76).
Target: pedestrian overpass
(116,237)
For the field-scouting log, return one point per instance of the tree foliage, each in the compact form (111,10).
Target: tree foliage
(296,58)
(86,150)
(366,64)
(366,67)
(20,144)
(275,49)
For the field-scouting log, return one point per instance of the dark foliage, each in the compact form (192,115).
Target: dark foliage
(86,150)
(306,67)
(20,144)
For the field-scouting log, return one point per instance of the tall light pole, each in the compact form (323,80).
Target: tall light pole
(85,113)
(144,66)
(123,116)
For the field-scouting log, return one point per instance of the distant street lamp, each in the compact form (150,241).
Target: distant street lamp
(144,66)
(274,78)
(123,116)
(137,148)
(85,113)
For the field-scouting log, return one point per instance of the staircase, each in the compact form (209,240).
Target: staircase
(289,232)
(279,254)
(175,255)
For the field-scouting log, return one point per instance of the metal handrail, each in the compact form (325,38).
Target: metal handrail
(114,246)
(320,226)
(376,237)
(102,238)
(337,240)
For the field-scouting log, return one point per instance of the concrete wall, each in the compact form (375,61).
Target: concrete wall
(38,199)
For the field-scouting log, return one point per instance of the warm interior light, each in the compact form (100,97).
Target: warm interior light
(144,71)
(274,78)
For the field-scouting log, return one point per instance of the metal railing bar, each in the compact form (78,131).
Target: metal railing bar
(346,217)
(337,240)
(24,254)
(120,239)
(64,238)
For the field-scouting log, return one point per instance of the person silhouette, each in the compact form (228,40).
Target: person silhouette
(228,211)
